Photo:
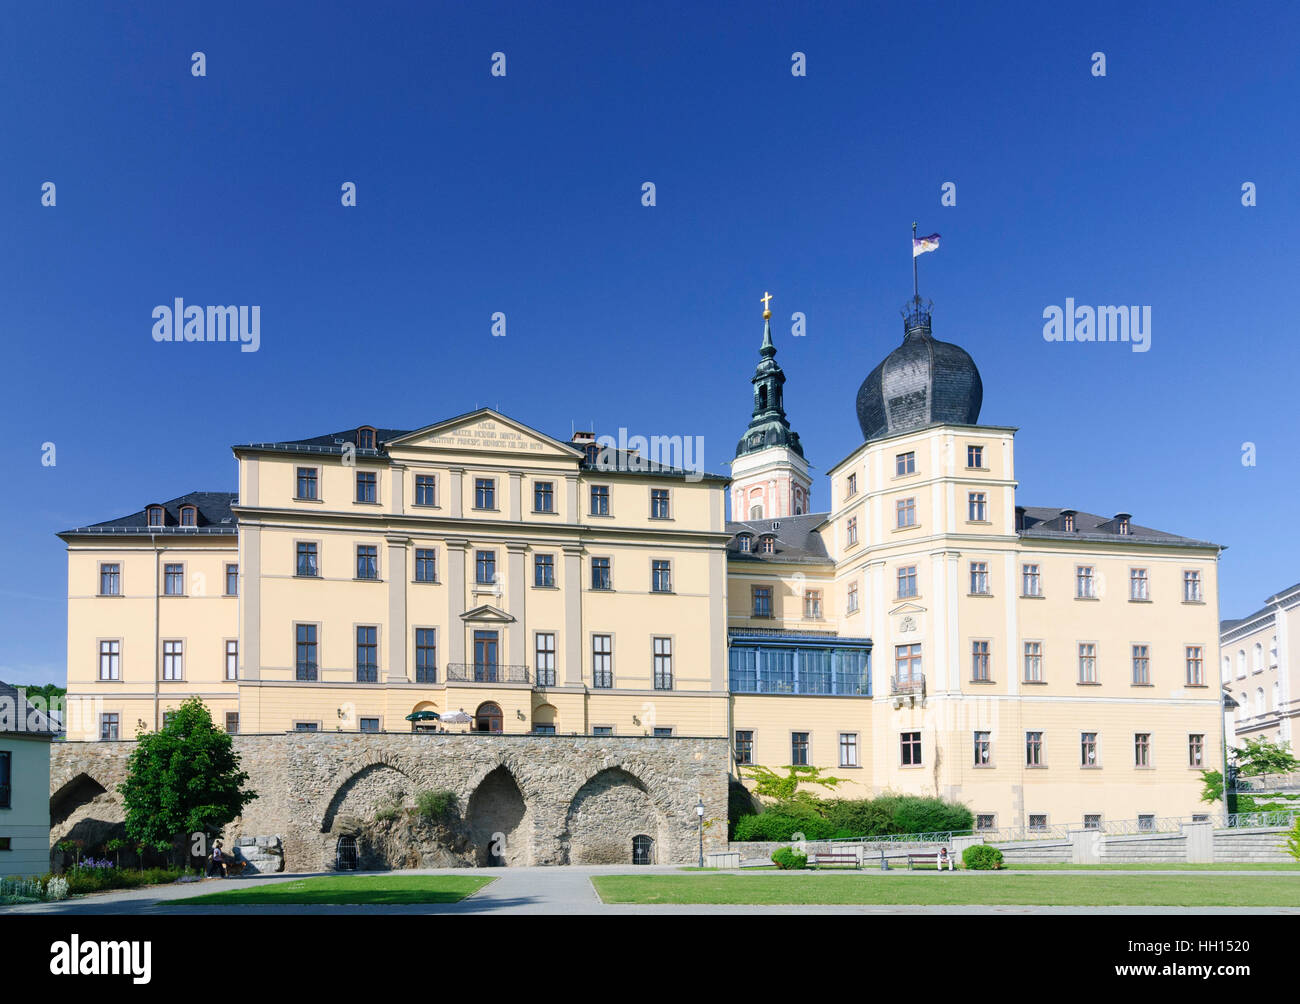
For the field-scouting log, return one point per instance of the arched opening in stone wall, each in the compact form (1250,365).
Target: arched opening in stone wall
(81,790)
(544,719)
(488,717)
(643,849)
(366,794)
(605,815)
(345,854)
(498,821)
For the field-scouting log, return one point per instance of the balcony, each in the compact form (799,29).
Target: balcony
(804,664)
(471,672)
(900,686)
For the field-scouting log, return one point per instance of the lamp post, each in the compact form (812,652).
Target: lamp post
(699,812)
(1229,705)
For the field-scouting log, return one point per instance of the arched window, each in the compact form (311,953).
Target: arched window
(345,854)
(762,399)
(643,850)
(365,438)
(1259,658)
(488,717)
(189,516)
(1227,669)
(1241,662)
(155,515)
(1259,700)
(1277,693)
(1272,651)
(744,543)
(756,511)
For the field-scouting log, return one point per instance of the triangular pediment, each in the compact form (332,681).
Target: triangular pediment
(483,431)
(907,608)
(486,613)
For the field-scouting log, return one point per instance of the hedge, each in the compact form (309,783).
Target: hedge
(847,818)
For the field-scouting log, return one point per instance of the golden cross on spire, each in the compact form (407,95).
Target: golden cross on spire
(766,299)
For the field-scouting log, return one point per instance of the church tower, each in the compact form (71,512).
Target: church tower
(769,475)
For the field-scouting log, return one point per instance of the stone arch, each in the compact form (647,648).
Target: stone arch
(499,820)
(611,808)
(546,714)
(353,775)
(72,795)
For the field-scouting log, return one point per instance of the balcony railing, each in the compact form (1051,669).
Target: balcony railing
(914,684)
(473,672)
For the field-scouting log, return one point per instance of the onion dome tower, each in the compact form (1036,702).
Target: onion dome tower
(769,473)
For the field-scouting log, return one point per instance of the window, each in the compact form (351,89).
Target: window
(910,749)
(173,580)
(663,663)
(110,580)
(545,658)
(156,517)
(602,659)
(600,500)
(756,511)
(848,749)
(812,604)
(661,578)
(1033,662)
(232,723)
(305,652)
(979,577)
(109,725)
(986,821)
(1141,665)
(426,655)
(485,567)
(977,507)
(544,570)
(543,496)
(851,486)
(659,503)
(1142,749)
(370,725)
(904,463)
(600,577)
(232,580)
(767,543)
(744,746)
(367,561)
(905,510)
(744,542)
(367,655)
(1092,820)
(762,601)
(1037,821)
(906,581)
(1258,666)
(426,565)
(426,489)
(173,660)
(852,604)
(232,660)
(189,516)
(543,730)
(110,660)
(1138,586)
(852,530)
(307,566)
(367,486)
(799,749)
(602,730)
(1146,821)
(306,726)
(1087,662)
(979,659)
(307,483)
(1088,749)
(365,438)
(485,493)
(1067,522)
(1196,750)
(983,749)
(662,731)
(1033,749)
(1195,667)
(907,663)
(975,457)
(1030,581)
(1191,586)
(1084,586)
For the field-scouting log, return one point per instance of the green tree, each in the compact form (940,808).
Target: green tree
(1260,756)
(770,784)
(183,779)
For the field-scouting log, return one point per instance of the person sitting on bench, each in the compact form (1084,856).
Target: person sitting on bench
(944,859)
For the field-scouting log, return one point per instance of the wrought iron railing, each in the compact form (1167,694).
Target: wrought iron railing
(914,684)
(474,672)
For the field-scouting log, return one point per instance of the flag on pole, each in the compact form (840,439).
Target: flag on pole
(920,245)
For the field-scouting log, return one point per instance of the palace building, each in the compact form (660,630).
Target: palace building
(923,632)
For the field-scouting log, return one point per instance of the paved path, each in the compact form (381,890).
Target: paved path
(568,890)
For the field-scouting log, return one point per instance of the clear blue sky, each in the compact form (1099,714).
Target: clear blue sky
(522,195)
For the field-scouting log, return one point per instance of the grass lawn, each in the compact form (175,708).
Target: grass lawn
(1250,866)
(349,889)
(954,889)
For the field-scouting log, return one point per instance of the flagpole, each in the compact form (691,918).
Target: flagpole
(916,295)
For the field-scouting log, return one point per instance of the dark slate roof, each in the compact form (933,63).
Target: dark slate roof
(1046,523)
(332,443)
(629,462)
(1263,612)
(29,722)
(214,517)
(797,539)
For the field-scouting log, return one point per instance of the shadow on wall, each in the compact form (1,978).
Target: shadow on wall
(605,819)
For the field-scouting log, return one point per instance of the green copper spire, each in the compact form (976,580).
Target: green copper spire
(768,425)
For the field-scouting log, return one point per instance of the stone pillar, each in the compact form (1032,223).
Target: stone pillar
(573,592)
(1085,847)
(456,598)
(397,574)
(515,586)
(457,494)
(1200,842)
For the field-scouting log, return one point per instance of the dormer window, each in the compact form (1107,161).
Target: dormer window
(155,515)
(189,516)
(745,543)
(1121,524)
(1067,520)
(592,451)
(365,438)
(767,544)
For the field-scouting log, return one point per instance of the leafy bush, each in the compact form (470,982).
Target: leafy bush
(56,889)
(84,880)
(926,815)
(845,818)
(435,805)
(981,857)
(787,859)
(778,825)
(1292,845)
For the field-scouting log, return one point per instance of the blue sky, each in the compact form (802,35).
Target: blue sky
(522,194)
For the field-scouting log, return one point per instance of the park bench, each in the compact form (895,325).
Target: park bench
(922,857)
(836,859)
